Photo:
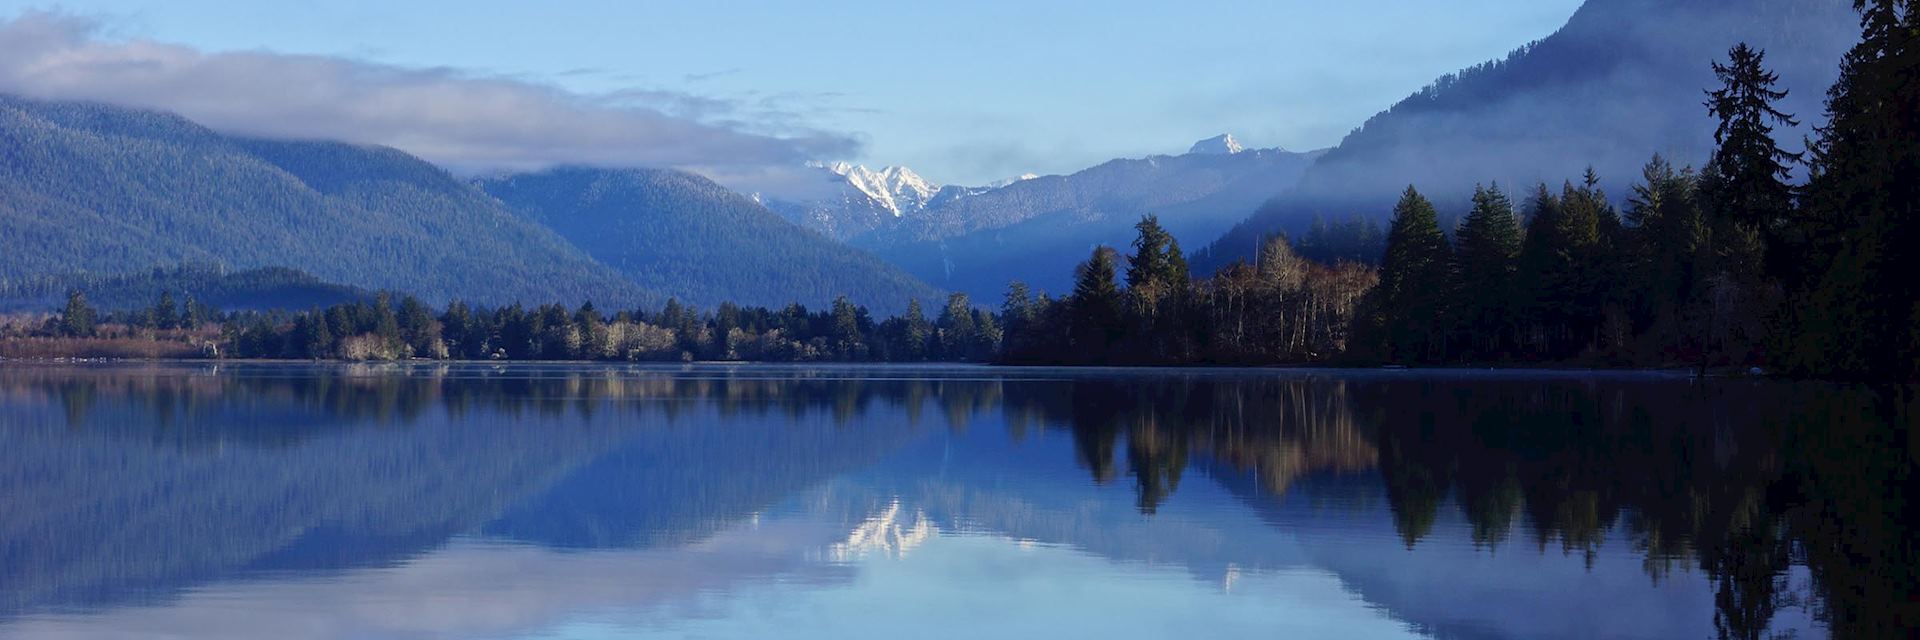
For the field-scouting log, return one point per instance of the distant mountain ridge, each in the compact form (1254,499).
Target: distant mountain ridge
(684,236)
(90,188)
(1220,144)
(1622,80)
(104,195)
(1034,228)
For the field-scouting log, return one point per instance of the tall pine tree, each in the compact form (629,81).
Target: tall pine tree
(1410,301)
(1095,323)
(1667,245)
(1748,199)
(1486,262)
(78,318)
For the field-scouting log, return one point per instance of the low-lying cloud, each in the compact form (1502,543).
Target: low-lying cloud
(464,121)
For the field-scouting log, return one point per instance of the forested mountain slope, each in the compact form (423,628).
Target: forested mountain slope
(259,289)
(107,190)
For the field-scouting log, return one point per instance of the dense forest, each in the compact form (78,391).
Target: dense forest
(385,327)
(256,289)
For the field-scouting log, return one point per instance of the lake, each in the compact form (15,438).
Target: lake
(715,501)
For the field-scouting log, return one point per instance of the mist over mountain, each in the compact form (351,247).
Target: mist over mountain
(684,236)
(1622,80)
(89,188)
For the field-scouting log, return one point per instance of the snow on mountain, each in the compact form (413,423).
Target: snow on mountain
(1019,178)
(898,189)
(894,202)
(1222,144)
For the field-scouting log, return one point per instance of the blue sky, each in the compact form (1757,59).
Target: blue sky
(964,92)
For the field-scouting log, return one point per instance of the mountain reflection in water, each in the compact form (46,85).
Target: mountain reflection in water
(556,500)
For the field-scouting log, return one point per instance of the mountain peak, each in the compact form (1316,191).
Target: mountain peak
(897,189)
(1222,144)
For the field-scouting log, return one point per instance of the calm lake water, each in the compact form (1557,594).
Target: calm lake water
(559,501)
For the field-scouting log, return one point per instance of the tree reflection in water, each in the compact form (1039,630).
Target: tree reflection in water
(1740,480)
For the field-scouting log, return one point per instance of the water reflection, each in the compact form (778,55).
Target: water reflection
(474,500)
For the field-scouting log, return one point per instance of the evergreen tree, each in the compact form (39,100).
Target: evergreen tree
(193,314)
(1747,204)
(1603,321)
(77,318)
(1095,310)
(1748,200)
(594,336)
(846,336)
(164,314)
(1410,300)
(318,340)
(559,337)
(1559,263)
(1150,260)
(465,338)
(340,322)
(386,326)
(1486,263)
(1178,273)
(915,332)
(1019,315)
(1156,297)
(516,333)
(956,329)
(1669,240)
(418,330)
(987,335)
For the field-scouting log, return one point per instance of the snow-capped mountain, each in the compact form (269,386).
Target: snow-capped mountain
(849,200)
(897,189)
(1222,144)
(1033,227)
(1035,230)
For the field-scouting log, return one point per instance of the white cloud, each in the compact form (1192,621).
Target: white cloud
(464,121)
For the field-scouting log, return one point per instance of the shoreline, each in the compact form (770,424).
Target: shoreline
(1559,369)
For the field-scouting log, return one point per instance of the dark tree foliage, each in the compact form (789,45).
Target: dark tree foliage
(1667,253)
(1486,263)
(1748,204)
(1355,238)
(1567,272)
(1857,312)
(1406,312)
(77,318)
(1095,321)
(1744,188)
